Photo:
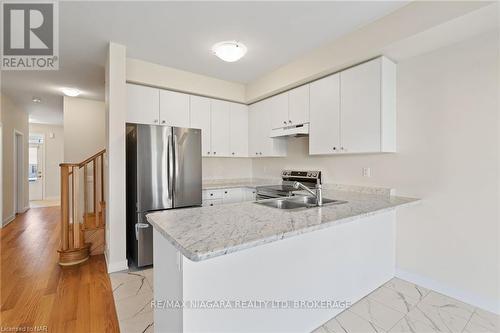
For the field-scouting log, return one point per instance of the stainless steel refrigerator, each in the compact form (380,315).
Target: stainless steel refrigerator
(163,171)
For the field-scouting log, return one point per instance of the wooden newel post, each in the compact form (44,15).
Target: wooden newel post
(73,249)
(76,222)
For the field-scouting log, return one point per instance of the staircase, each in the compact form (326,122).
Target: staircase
(83,210)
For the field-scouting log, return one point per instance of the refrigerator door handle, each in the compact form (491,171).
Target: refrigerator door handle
(140,226)
(170,166)
(176,161)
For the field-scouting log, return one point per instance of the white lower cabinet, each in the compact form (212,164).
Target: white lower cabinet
(212,202)
(227,195)
(249,194)
(232,195)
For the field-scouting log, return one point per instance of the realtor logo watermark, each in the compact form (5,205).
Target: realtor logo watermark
(30,35)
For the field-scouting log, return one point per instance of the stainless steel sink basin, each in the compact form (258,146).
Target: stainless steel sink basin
(282,204)
(311,201)
(297,202)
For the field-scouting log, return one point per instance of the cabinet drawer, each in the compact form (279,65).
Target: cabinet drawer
(213,202)
(211,194)
(232,195)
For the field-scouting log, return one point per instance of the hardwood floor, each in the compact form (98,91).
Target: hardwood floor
(36,291)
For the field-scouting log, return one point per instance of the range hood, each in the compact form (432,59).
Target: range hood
(293,131)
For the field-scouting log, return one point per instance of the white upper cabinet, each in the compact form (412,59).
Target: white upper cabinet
(367,107)
(260,144)
(324,125)
(360,105)
(220,128)
(200,118)
(364,120)
(253,129)
(238,130)
(289,108)
(174,108)
(143,104)
(298,105)
(278,110)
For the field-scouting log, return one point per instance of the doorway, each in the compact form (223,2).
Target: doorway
(18,172)
(36,167)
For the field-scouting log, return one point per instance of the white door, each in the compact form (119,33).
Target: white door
(220,128)
(360,108)
(143,104)
(324,122)
(278,110)
(298,109)
(174,108)
(200,118)
(35,173)
(238,130)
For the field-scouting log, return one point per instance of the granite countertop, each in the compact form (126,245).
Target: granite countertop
(201,233)
(216,184)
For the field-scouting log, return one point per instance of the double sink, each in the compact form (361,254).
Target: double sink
(296,202)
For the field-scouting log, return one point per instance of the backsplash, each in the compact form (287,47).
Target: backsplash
(226,168)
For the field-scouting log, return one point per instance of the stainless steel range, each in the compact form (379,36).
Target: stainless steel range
(286,189)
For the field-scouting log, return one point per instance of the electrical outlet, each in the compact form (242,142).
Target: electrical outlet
(367,172)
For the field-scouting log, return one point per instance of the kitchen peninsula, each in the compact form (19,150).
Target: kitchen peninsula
(246,252)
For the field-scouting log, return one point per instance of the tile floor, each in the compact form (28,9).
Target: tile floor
(133,293)
(398,306)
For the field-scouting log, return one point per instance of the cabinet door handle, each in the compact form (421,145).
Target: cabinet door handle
(215,152)
(233,153)
(284,122)
(225,192)
(290,121)
(163,121)
(155,121)
(334,148)
(211,194)
(208,153)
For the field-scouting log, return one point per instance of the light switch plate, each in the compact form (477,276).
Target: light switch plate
(367,172)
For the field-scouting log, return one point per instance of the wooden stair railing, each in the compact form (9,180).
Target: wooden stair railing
(82,214)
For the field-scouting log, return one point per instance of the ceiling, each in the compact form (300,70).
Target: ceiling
(180,35)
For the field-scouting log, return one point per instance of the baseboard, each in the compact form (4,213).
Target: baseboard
(489,304)
(8,219)
(24,210)
(115,266)
(52,198)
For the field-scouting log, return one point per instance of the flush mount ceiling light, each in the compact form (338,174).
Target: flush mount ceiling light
(71,92)
(229,51)
(36,100)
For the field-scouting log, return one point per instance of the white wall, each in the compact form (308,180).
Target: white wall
(13,119)
(226,168)
(142,72)
(448,147)
(84,128)
(54,155)
(359,45)
(116,106)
